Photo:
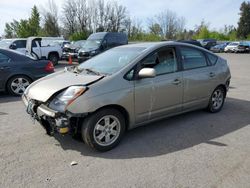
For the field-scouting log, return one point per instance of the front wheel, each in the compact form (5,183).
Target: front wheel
(104,129)
(217,99)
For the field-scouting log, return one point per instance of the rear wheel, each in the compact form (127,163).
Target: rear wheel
(54,58)
(17,84)
(104,129)
(217,99)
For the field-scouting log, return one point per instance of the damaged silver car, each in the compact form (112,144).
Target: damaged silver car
(126,87)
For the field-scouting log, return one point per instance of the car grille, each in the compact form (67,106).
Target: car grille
(84,54)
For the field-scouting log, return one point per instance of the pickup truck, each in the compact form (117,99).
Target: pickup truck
(43,48)
(18,44)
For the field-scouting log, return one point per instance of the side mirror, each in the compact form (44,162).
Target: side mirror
(147,73)
(13,46)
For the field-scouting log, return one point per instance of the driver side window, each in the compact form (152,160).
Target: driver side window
(163,61)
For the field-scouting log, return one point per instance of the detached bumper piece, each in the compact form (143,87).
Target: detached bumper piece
(51,120)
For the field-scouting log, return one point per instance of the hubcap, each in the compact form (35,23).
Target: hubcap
(19,85)
(217,99)
(107,130)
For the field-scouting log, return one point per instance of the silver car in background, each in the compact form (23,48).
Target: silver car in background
(126,87)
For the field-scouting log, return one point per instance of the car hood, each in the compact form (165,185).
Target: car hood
(88,49)
(44,88)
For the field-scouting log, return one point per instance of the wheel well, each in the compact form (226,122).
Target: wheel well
(53,53)
(15,76)
(121,109)
(224,88)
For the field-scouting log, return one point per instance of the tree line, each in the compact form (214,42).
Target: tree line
(79,18)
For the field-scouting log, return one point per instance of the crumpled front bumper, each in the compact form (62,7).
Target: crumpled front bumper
(56,121)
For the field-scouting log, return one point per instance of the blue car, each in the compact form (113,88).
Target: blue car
(219,48)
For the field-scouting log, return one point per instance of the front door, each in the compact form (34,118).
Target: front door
(4,69)
(161,95)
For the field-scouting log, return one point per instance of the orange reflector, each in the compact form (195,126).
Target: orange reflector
(63,130)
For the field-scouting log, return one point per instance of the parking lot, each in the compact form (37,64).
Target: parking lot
(197,149)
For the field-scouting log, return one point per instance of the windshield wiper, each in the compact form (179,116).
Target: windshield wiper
(79,70)
(92,71)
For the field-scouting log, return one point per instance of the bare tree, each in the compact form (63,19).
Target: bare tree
(94,16)
(70,16)
(168,24)
(82,15)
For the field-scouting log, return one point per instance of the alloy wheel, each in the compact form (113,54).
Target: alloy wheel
(18,85)
(107,130)
(217,99)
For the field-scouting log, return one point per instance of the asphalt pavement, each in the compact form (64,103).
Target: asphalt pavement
(197,149)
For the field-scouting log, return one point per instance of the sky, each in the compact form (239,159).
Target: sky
(215,12)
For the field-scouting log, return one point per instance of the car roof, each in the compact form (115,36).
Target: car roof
(15,55)
(148,45)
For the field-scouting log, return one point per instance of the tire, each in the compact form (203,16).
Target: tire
(17,84)
(54,58)
(104,129)
(216,100)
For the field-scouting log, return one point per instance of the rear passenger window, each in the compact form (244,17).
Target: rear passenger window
(20,43)
(212,58)
(192,58)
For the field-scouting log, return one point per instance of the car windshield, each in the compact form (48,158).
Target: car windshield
(5,43)
(111,61)
(78,44)
(92,44)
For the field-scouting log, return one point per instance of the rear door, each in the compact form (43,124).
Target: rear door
(5,69)
(161,95)
(198,76)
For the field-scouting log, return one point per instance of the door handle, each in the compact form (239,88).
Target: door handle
(211,74)
(176,82)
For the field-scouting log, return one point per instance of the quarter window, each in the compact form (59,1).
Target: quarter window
(212,58)
(163,61)
(192,58)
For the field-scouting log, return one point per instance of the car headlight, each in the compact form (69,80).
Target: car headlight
(93,52)
(65,98)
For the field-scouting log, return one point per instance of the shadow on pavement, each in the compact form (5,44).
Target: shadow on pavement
(5,97)
(173,134)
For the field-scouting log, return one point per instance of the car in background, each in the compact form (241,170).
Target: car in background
(18,71)
(61,43)
(18,44)
(72,49)
(193,42)
(44,48)
(237,47)
(100,42)
(219,48)
(208,43)
(126,87)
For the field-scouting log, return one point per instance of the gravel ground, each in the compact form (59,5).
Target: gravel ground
(196,149)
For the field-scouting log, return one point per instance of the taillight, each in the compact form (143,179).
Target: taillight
(49,67)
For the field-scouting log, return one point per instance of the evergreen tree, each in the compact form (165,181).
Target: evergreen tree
(244,22)
(34,22)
